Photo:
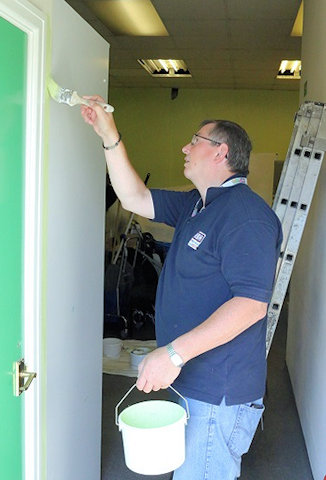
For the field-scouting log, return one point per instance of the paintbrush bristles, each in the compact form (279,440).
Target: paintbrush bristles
(54,90)
(59,94)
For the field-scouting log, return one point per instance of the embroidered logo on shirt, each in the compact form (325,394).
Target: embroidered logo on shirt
(196,240)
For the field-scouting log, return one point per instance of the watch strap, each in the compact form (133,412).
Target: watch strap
(174,356)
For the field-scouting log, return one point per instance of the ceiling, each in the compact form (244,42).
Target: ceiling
(233,44)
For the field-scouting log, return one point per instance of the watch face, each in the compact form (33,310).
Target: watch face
(177,360)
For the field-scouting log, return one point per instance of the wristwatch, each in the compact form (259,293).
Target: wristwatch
(174,356)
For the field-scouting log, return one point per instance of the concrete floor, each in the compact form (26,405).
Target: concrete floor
(277,453)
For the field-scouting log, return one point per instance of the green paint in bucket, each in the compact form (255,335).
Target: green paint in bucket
(152,414)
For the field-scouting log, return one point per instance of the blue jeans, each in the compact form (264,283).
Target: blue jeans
(216,438)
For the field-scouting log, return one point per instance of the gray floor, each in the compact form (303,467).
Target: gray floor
(277,453)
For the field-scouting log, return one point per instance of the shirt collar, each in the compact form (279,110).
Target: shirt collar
(213,192)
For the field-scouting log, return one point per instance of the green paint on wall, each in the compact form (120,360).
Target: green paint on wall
(155,128)
(13,54)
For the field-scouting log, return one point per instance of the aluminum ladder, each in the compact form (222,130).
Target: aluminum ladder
(294,196)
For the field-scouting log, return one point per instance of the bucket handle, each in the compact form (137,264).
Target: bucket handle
(129,391)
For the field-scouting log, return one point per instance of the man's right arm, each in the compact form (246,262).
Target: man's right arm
(129,187)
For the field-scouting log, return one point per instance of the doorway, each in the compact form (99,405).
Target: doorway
(22,29)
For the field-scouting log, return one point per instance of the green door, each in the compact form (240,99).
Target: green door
(13,56)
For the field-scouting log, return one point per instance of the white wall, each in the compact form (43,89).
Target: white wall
(75,255)
(306,352)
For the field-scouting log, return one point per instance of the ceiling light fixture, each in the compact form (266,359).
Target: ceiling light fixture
(162,62)
(129,17)
(165,68)
(289,70)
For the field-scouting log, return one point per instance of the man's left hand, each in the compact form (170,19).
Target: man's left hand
(156,371)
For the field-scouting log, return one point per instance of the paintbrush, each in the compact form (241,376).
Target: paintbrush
(71,97)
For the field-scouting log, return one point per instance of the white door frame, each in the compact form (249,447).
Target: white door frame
(29,19)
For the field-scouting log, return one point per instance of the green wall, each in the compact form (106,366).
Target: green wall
(155,128)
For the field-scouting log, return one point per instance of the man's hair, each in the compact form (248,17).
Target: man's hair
(237,140)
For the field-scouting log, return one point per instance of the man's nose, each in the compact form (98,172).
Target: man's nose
(186,148)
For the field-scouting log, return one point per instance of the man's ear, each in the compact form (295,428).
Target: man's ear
(223,150)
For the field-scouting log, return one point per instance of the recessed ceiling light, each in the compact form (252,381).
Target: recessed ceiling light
(298,23)
(289,70)
(129,17)
(165,68)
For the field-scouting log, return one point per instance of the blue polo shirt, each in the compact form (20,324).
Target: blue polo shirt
(228,249)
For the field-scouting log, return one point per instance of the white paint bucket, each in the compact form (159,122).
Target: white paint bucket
(153,434)
(112,347)
(137,355)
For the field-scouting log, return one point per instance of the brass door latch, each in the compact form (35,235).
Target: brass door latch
(19,376)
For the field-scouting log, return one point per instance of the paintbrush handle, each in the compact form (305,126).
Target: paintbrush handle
(76,98)
(107,107)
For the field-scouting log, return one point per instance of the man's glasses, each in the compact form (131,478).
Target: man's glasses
(195,137)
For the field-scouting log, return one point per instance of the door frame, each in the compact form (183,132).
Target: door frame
(32,21)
